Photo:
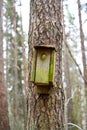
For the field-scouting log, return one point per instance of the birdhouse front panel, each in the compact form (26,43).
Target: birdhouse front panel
(42,66)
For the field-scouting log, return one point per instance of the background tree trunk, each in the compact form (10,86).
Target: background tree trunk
(16,99)
(68,88)
(84,89)
(68,104)
(46,111)
(25,88)
(4,120)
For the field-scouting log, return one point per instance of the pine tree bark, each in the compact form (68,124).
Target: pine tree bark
(84,89)
(4,119)
(45,112)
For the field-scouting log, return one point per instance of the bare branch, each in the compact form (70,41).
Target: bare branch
(74,125)
(75,63)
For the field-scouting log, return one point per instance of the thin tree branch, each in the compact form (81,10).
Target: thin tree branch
(75,62)
(74,125)
(68,100)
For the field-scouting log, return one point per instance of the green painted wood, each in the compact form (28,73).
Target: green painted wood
(42,66)
(33,66)
(52,67)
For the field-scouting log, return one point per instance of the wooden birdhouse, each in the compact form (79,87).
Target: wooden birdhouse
(43,66)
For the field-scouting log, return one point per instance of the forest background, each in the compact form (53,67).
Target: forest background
(15,24)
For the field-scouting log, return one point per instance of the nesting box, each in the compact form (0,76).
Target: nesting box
(43,66)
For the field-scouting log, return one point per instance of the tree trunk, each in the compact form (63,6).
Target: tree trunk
(16,99)
(25,88)
(68,88)
(4,120)
(84,89)
(45,111)
(68,105)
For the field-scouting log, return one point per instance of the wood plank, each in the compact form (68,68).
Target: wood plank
(42,66)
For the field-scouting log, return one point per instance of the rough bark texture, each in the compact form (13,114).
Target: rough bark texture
(84,89)
(4,120)
(45,112)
